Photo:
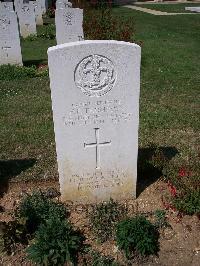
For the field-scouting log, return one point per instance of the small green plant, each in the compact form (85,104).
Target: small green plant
(183,181)
(137,235)
(100,260)
(37,208)
(11,72)
(12,233)
(50,12)
(104,217)
(31,38)
(160,219)
(55,243)
(49,32)
(102,25)
(189,203)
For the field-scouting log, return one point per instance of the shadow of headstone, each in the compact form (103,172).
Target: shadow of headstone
(147,172)
(11,168)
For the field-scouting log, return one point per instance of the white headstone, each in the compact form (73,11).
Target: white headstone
(44,6)
(69,25)
(18,4)
(95,97)
(38,12)
(193,9)
(63,4)
(27,23)
(6,6)
(10,50)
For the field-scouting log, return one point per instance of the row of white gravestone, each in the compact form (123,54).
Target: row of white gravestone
(69,22)
(10,49)
(95,97)
(26,15)
(29,14)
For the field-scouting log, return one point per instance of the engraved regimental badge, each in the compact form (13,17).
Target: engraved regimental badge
(4,22)
(95,75)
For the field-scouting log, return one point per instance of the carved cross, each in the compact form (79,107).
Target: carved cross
(97,146)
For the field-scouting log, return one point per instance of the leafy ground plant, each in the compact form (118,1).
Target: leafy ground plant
(100,260)
(102,25)
(12,72)
(137,236)
(55,243)
(48,32)
(183,181)
(31,38)
(12,233)
(160,219)
(103,218)
(37,209)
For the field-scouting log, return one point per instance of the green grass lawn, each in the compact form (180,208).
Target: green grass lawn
(169,102)
(170,8)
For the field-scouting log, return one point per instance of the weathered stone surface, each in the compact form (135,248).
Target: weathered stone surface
(6,6)
(95,99)
(193,9)
(38,12)
(69,25)
(10,50)
(44,6)
(63,4)
(26,15)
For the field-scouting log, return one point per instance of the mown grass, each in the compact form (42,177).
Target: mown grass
(170,8)
(169,102)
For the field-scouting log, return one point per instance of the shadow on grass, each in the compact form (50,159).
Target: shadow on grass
(147,172)
(11,168)
(36,63)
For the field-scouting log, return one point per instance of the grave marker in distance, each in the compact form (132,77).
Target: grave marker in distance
(27,23)
(10,50)
(69,25)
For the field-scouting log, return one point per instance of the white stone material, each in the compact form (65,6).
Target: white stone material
(6,6)
(193,9)
(27,22)
(17,5)
(63,4)
(10,50)
(44,6)
(38,12)
(69,25)
(95,99)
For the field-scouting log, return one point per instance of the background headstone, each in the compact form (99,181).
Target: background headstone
(17,5)
(63,4)
(6,5)
(38,12)
(95,97)
(44,6)
(69,25)
(10,50)
(193,9)
(27,23)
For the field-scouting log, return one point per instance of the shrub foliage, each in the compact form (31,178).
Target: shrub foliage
(102,25)
(55,243)
(12,72)
(183,179)
(137,235)
(37,209)
(104,217)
